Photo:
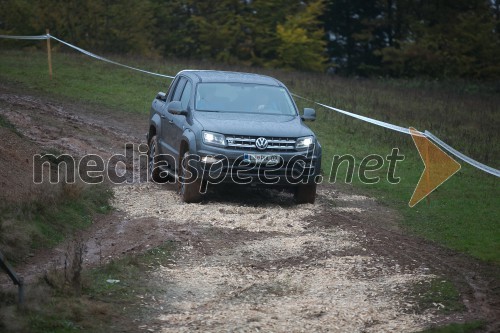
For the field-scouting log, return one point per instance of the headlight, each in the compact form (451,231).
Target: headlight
(304,143)
(214,139)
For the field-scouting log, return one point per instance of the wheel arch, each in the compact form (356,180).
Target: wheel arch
(151,132)
(154,127)
(188,144)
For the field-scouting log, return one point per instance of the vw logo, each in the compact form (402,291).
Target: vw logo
(261,143)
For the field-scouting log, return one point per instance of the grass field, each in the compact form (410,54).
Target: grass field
(46,221)
(463,214)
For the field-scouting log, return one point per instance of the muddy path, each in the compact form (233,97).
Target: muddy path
(248,259)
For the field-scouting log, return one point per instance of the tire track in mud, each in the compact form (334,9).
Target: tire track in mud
(255,262)
(476,281)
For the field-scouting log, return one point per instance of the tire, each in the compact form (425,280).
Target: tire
(305,193)
(190,190)
(154,163)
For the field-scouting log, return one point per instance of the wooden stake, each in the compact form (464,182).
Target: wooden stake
(49,55)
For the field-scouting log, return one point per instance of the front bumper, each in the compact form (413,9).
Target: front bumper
(232,166)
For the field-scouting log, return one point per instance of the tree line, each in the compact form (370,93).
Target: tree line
(399,38)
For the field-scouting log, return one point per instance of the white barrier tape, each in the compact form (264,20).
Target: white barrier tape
(426,133)
(400,129)
(354,115)
(107,60)
(40,37)
(90,54)
(463,157)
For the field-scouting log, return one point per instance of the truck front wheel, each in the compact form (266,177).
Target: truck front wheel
(305,193)
(189,182)
(155,163)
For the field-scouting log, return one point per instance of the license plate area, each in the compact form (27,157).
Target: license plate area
(261,158)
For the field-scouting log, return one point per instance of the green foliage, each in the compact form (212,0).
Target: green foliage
(300,40)
(220,29)
(175,30)
(268,33)
(456,40)
(401,38)
(355,30)
(409,38)
(111,26)
(231,31)
(264,18)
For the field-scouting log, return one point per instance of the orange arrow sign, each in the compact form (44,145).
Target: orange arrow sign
(439,167)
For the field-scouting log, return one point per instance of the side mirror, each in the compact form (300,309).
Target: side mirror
(161,96)
(309,114)
(175,107)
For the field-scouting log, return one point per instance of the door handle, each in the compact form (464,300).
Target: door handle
(162,117)
(170,122)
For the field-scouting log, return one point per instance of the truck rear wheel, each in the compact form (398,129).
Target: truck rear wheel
(189,188)
(305,193)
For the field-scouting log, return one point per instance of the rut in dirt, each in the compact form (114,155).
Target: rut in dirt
(251,259)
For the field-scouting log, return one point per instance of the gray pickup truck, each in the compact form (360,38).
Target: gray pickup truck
(214,126)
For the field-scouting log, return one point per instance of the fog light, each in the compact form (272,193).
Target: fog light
(209,160)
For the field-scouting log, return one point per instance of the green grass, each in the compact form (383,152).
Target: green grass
(130,272)
(436,294)
(463,213)
(442,295)
(72,213)
(49,219)
(114,87)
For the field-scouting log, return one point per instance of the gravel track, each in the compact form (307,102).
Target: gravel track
(278,274)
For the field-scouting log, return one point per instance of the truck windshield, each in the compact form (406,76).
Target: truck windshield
(243,98)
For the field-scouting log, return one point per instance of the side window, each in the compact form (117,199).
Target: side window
(170,87)
(178,89)
(186,95)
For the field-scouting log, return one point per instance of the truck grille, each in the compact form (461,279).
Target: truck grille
(248,143)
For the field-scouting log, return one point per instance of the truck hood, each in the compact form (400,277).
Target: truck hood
(252,124)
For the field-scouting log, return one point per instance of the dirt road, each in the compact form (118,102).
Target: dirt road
(251,260)
(258,262)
